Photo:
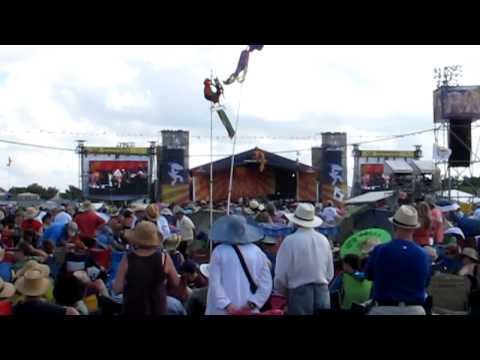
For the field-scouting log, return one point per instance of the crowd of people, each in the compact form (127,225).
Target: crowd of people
(267,258)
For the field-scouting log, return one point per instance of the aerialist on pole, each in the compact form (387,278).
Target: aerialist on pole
(213,95)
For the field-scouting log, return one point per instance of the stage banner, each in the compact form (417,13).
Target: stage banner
(333,181)
(174,176)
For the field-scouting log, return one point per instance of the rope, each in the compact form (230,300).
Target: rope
(230,184)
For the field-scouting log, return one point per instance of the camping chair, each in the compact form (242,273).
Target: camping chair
(91,303)
(101,257)
(6,308)
(6,271)
(449,294)
(116,257)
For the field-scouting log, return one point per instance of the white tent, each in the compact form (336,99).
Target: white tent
(370,197)
(460,196)
(397,166)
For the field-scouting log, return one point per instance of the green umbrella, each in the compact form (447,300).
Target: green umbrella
(360,242)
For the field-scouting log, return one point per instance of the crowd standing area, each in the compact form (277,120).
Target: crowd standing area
(263,259)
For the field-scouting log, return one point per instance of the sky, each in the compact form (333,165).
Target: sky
(54,95)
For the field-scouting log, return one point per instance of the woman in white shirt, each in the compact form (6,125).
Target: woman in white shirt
(229,287)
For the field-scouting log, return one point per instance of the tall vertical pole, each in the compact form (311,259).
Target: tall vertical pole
(211,167)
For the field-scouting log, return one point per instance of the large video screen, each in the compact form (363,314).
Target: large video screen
(373,177)
(113,178)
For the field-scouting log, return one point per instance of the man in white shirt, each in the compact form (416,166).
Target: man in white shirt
(304,265)
(229,288)
(330,215)
(62,217)
(187,231)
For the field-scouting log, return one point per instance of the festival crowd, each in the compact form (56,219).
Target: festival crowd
(266,259)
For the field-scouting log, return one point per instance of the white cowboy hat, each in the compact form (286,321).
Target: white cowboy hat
(269,240)
(253,204)
(204,269)
(455,231)
(166,212)
(305,216)
(470,253)
(406,217)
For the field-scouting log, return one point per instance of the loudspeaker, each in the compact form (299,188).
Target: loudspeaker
(460,142)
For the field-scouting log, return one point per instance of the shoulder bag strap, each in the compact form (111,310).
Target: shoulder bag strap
(253,286)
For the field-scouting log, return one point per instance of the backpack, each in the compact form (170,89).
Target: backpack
(354,291)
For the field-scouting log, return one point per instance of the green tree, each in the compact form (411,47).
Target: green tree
(72,193)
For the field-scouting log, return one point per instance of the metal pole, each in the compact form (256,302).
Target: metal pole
(233,153)
(211,169)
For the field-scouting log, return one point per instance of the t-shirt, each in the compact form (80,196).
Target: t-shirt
(63,218)
(421,236)
(186,227)
(400,271)
(32,225)
(38,308)
(88,223)
(329,214)
(56,233)
(76,262)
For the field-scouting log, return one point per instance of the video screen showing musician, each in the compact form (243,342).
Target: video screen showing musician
(118,177)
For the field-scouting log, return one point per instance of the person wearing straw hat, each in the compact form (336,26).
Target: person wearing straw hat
(399,269)
(31,223)
(33,284)
(304,264)
(144,273)
(239,276)
(171,245)
(87,220)
(153,215)
(470,262)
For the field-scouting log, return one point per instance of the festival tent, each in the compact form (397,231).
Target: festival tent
(257,174)
(370,197)
(460,196)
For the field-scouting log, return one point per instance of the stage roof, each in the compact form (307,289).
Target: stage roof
(247,157)
(399,166)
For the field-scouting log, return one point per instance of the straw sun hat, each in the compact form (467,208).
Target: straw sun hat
(144,234)
(31,213)
(33,283)
(7,290)
(406,217)
(172,243)
(33,265)
(470,253)
(153,212)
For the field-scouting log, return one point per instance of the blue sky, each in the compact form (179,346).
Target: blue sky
(51,94)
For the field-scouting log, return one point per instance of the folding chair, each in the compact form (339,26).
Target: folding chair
(102,257)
